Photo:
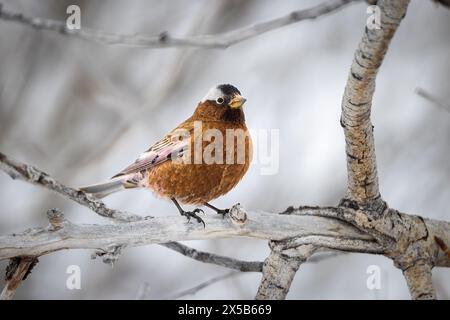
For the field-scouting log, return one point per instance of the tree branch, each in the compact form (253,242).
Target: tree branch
(420,284)
(17,270)
(261,225)
(357,103)
(165,40)
(321,227)
(279,270)
(18,170)
(21,171)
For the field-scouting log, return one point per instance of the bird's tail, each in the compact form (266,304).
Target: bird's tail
(104,189)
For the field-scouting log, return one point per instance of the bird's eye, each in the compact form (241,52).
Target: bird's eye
(219,100)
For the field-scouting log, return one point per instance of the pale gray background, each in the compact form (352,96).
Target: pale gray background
(64,104)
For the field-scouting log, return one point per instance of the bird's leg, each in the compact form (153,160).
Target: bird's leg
(223,212)
(189,214)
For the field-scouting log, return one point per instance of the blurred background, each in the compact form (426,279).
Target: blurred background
(81,111)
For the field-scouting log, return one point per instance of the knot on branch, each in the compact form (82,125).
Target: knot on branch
(110,255)
(237,215)
(376,207)
(442,246)
(291,249)
(409,242)
(56,218)
(34,175)
(164,37)
(371,217)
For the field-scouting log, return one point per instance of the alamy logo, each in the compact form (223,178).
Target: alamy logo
(73,22)
(208,147)
(373,21)
(74,279)
(374,280)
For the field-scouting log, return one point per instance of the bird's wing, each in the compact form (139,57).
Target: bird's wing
(171,146)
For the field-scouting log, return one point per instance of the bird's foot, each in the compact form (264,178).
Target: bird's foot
(193,214)
(223,212)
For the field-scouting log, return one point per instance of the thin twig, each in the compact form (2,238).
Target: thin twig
(203,285)
(433,99)
(143,291)
(164,39)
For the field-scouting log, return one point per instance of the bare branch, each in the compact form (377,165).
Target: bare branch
(165,40)
(262,225)
(434,100)
(357,103)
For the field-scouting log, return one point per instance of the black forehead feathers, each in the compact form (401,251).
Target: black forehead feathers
(228,89)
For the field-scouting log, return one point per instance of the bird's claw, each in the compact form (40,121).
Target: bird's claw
(193,214)
(197,210)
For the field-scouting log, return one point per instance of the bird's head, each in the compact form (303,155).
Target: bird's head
(223,102)
(225,95)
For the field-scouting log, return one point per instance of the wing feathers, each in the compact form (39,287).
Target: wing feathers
(160,152)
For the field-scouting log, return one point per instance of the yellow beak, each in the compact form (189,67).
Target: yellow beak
(237,101)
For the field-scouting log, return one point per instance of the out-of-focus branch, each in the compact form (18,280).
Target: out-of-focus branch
(18,269)
(433,99)
(164,40)
(203,285)
(445,3)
